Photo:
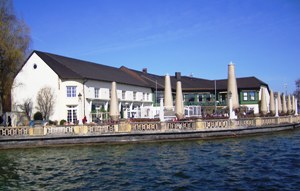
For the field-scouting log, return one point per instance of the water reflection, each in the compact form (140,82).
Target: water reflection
(253,163)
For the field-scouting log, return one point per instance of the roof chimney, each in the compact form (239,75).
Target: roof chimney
(178,75)
(145,70)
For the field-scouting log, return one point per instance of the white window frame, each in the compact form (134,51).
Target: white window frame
(123,95)
(71,91)
(72,114)
(245,96)
(96,92)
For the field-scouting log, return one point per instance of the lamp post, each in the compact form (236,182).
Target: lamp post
(79,97)
(276,105)
(79,104)
(230,104)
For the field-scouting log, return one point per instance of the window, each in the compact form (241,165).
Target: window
(208,97)
(200,98)
(134,95)
(96,92)
(249,96)
(245,96)
(158,96)
(71,91)
(252,96)
(72,114)
(123,95)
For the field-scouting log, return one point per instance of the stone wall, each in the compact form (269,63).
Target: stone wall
(147,127)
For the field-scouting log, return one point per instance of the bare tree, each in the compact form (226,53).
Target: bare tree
(26,107)
(45,102)
(14,45)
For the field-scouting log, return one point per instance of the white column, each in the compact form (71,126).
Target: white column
(131,107)
(284,107)
(79,111)
(126,113)
(114,105)
(263,102)
(161,111)
(106,106)
(276,107)
(296,108)
(289,105)
(230,108)
(272,103)
(168,93)
(232,86)
(179,108)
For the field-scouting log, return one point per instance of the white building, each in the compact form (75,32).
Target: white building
(80,87)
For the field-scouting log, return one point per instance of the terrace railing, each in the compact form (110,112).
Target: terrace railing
(180,125)
(153,126)
(245,122)
(145,126)
(217,124)
(59,130)
(101,129)
(14,131)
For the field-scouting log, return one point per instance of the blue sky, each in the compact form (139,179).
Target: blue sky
(261,37)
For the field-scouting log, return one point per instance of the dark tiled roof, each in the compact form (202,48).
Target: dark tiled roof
(250,83)
(199,84)
(242,83)
(196,84)
(70,68)
(153,81)
(188,83)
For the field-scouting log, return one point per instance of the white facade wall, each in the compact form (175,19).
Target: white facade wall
(35,75)
(252,106)
(104,91)
(71,101)
(31,79)
(255,107)
(104,95)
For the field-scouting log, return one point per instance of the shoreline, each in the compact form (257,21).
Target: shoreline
(135,137)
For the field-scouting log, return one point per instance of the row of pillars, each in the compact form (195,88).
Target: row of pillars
(279,104)
(275,108)
(168,103)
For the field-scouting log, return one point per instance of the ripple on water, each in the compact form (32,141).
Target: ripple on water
(254,163)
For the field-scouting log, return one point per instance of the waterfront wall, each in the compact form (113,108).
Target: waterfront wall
(127,127)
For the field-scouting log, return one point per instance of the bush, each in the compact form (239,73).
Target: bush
(38,116)
(62,122)
(53,122)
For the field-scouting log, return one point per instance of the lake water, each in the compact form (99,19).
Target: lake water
(265,162)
